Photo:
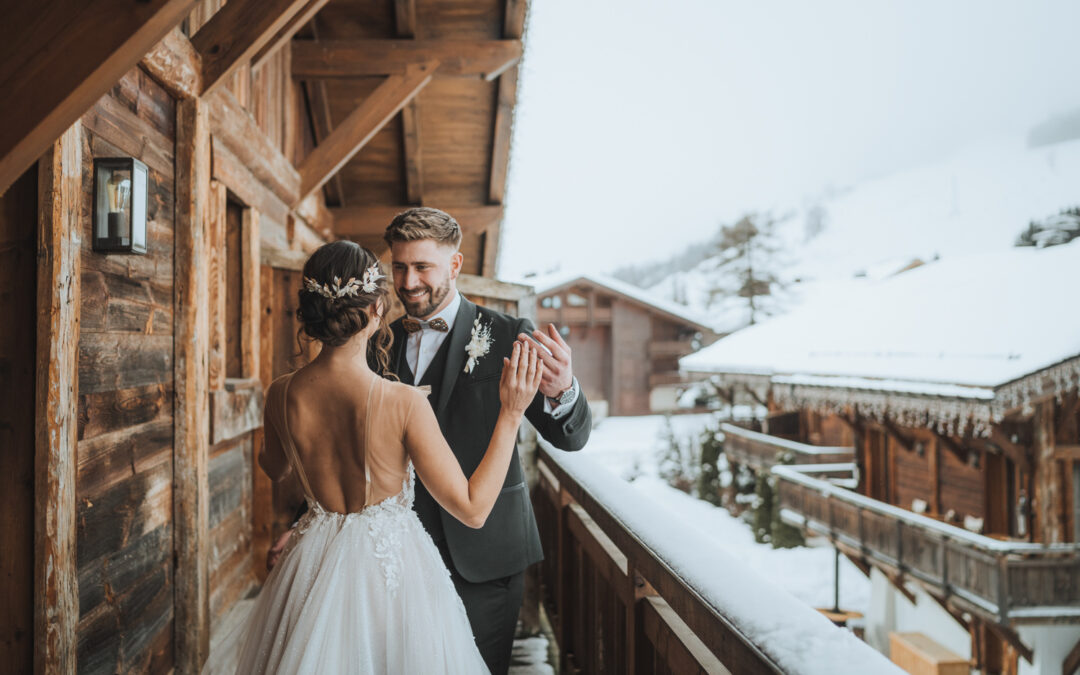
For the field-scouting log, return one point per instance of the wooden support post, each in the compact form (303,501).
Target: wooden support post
(360,126)
(237,32)
(405,17)
(216,216)
(56,600)
(1049,498)
(250,314)
(191,395)
(64,56)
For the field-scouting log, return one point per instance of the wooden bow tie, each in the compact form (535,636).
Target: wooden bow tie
(413,325)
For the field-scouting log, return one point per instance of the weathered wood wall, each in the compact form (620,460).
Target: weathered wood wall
(124,484)
(18,270)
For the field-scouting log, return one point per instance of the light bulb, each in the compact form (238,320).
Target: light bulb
(118,188)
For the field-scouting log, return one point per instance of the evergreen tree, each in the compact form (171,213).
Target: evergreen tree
(747,265)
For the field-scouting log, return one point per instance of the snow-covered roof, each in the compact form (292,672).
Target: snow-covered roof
(972,327)
(551,282)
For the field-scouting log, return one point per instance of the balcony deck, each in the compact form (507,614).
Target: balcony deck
(1004,582)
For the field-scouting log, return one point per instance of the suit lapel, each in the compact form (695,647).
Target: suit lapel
(397,355)
(455,359)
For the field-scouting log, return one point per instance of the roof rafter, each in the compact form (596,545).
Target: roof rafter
(306,14)
(484,58)
(65,56)
(237,32)
(363,221)
(361,125)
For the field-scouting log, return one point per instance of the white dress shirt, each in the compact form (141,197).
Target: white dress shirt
(422,346)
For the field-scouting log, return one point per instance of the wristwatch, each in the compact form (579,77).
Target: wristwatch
(564,397)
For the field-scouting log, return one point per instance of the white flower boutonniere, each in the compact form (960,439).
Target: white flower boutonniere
(479,344)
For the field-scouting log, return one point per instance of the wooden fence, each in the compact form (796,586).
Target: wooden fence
(1001,581)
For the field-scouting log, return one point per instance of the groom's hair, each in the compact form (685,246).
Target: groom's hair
(424,222)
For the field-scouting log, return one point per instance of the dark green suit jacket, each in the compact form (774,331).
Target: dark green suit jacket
(467,406)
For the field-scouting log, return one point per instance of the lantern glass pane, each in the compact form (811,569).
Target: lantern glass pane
(138,209)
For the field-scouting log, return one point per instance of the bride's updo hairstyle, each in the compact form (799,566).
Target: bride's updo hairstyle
(341,280)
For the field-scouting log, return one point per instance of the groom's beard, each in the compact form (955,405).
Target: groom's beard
(423,305)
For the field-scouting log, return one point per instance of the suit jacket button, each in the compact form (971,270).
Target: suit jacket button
(569,428)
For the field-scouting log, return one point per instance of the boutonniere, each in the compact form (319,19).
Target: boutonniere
(479,344)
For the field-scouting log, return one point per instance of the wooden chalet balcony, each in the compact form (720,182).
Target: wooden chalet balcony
(762,451)
(674,348)
(620,602)
(1004,582)
(667,377)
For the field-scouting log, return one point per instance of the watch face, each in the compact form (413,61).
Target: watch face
(564,397)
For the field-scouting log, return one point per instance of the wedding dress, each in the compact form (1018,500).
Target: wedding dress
(363,592)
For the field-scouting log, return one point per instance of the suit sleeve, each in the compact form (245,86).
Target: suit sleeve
(570,432)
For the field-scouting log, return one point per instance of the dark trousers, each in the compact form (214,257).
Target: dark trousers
(493,608)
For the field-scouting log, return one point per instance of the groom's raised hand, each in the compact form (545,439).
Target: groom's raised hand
(558,371)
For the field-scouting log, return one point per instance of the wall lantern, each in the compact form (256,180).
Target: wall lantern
(120,185)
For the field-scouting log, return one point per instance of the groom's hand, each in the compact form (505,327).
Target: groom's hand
(558,373)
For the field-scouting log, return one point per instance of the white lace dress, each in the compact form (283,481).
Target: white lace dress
(363,592)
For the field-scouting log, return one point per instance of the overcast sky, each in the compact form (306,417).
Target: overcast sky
(641,125)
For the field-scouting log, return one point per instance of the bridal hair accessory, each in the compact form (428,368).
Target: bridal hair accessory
(479,344)
(368,283)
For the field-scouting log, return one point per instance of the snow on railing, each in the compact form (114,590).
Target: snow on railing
(776,441)
(791,635)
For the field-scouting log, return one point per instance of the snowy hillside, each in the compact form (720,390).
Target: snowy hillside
(977,201)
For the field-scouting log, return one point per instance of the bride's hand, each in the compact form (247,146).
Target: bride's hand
(521,377)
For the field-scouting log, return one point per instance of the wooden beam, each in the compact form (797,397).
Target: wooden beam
(405,18)
(191,400)
(414,174)
(216,217)
(250,264)
(321,122)
(283,259)
(176,65)
(1011,637)
(1072,661)
(1016,453)
(56,597)
(356,221)
(1049,497)
(360,126)
(63,56)
(234,126)
(513,28)
(237,32)
(484,58)
(298,21)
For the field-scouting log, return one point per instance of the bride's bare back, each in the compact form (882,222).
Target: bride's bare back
(347,428)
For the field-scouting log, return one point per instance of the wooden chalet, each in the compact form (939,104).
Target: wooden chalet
(960,492)
(134,520)
(626,344)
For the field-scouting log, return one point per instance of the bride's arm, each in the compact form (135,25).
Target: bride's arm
(470,500)
(272,458)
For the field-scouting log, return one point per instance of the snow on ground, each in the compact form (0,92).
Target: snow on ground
(723,558)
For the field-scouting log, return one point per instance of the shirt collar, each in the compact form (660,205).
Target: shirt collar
(449,313)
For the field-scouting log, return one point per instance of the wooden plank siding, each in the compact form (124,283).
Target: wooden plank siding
(124,468)
(18,272)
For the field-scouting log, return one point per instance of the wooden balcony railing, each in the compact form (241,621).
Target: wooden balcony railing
(1001,581)
(659,348)
(761,451)
(618,605)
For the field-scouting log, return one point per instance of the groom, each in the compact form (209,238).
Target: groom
(440,343)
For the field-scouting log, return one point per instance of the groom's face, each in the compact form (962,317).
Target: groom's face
(424,273)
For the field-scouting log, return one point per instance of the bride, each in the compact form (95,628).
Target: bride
(363,588)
